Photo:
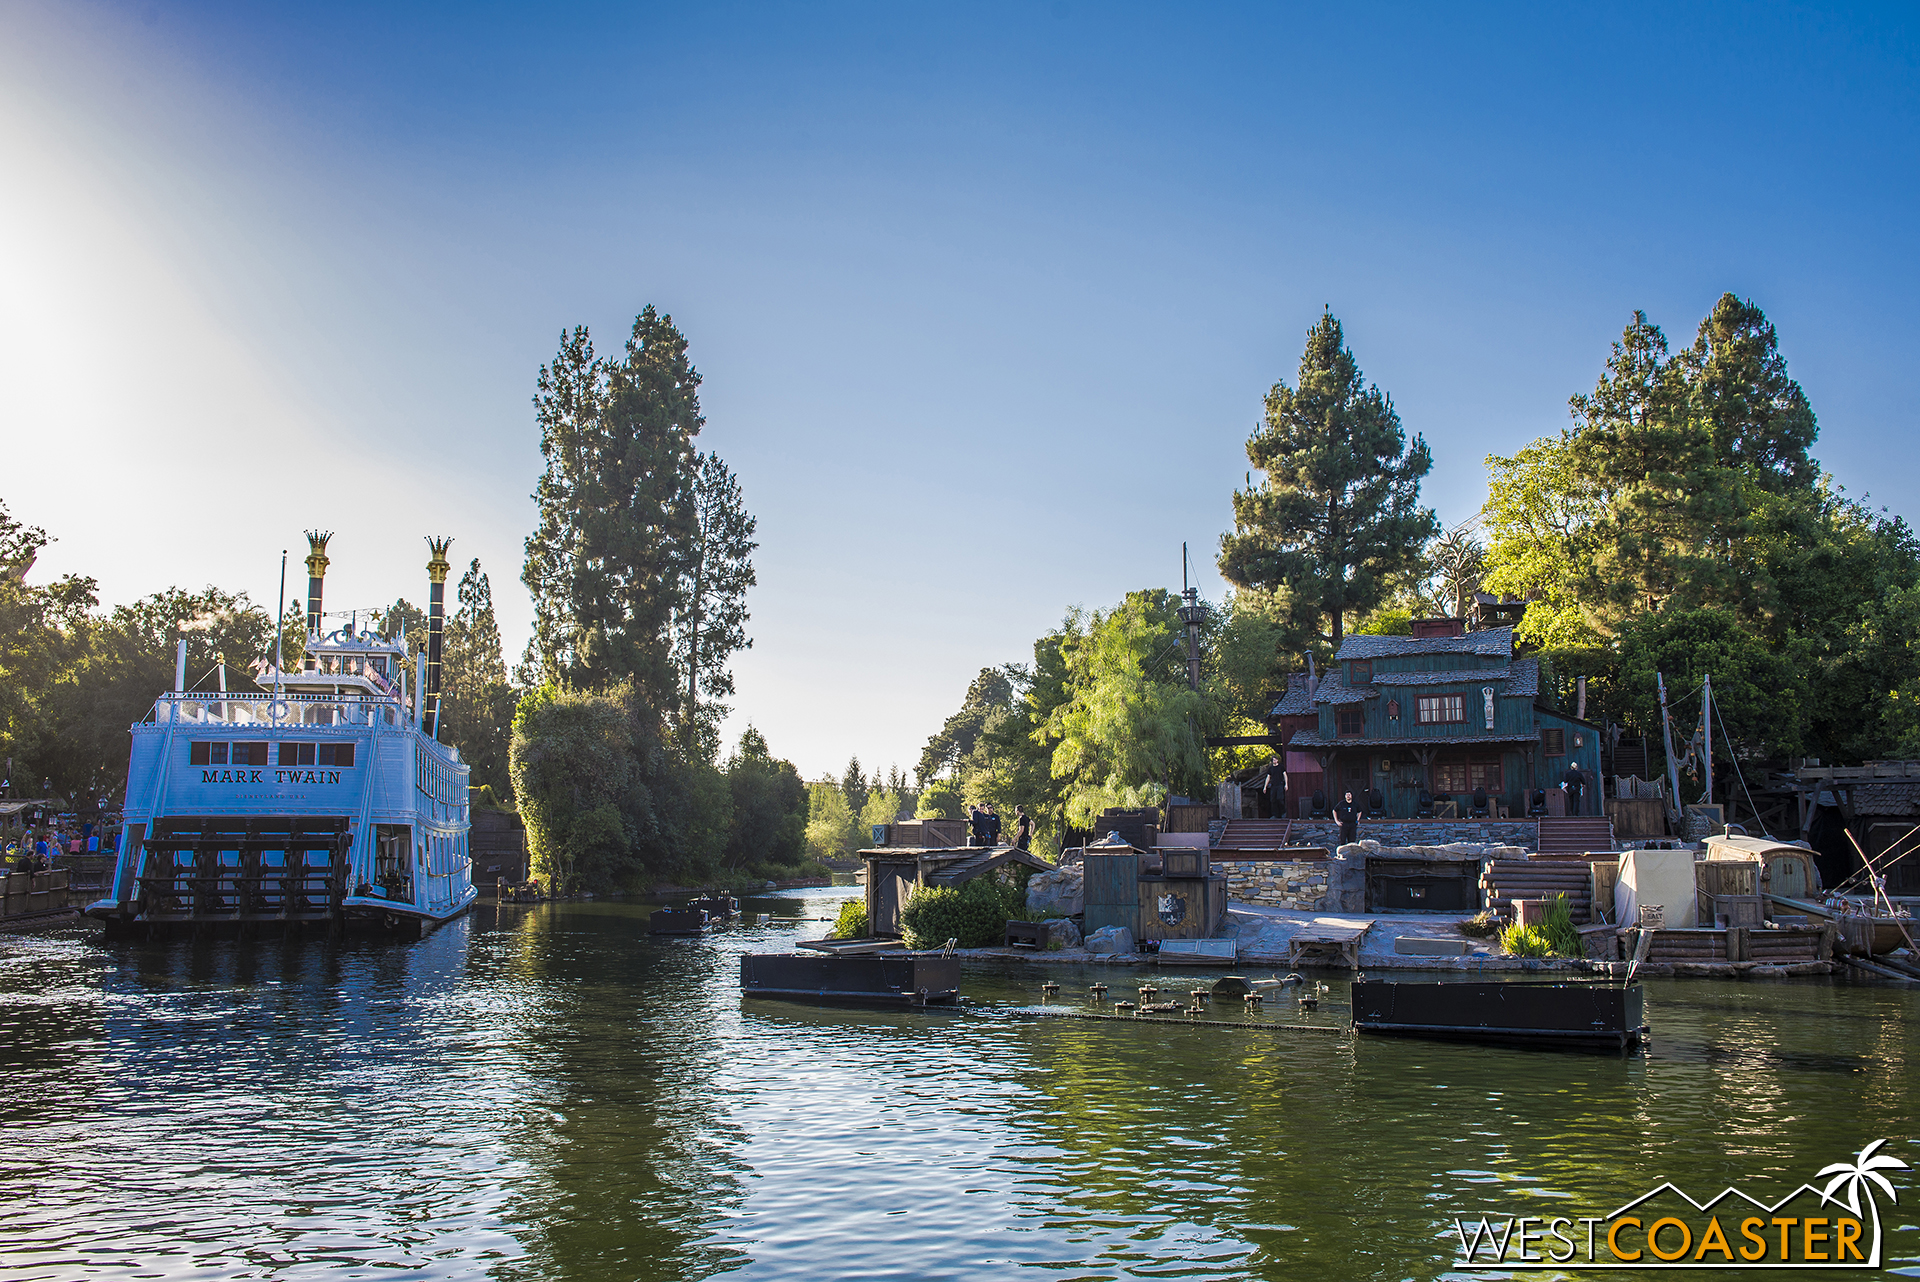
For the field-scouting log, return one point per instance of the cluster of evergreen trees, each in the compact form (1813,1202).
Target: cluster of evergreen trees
(638,570)
(1680,525)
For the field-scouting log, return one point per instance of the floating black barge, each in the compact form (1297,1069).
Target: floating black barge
(1576,1016)
(879,978)
(677,921)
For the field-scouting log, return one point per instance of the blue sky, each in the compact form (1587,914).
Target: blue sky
(986,298)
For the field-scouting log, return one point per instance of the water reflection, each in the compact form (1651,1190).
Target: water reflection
(551,1093)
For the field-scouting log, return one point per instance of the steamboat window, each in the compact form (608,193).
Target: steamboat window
(336,754)
(249,754)
(1351,720)
(1553,742)
(296,754)
(1440,709)
(202,753)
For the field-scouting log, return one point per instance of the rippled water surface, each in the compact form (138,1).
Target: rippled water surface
(550,1093)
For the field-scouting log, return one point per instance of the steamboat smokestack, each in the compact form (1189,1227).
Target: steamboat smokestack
(436,619)
(316,576)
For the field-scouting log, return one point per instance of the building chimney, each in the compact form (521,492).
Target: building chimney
(316,576)
(436,620)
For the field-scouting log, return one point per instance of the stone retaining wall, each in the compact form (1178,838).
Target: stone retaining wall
(1298,885)
(1421,832)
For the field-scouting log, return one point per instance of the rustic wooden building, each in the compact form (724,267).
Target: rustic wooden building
(498,844)
(1439,714)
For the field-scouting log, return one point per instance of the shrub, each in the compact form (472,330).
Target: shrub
(975,914)
(1483,926)
(1562,938)
(1525,941)
(852,922)
(1555,937)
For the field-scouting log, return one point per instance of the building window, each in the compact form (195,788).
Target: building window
(1462,777)
(1553,742)
(1360,672)
(1351,720)
(201,753)
(1440,709)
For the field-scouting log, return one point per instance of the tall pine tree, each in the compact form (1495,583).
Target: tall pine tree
(606,565)
(476,699)
(1336,522)
(713,607)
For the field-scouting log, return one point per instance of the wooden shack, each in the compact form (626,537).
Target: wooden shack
(498,842)
(893,872)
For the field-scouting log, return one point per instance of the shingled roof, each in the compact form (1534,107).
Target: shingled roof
(1497,642)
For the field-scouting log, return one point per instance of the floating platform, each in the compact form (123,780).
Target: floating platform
(891,980)
(715,906)
(677,921)
(1575,1016)
(1197,952)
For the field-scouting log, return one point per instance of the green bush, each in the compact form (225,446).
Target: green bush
(852,922)
(975,914)
(1525,941)
(1484,925)
(1555,937)
(1562,938)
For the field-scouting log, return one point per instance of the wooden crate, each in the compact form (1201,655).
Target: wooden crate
(1112,888)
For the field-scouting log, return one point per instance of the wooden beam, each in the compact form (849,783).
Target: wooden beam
(1242,740)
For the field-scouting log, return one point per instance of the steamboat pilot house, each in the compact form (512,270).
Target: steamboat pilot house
(324,799)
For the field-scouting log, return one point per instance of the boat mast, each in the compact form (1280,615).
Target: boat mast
(279,636)
(1706,719)
(1666,743)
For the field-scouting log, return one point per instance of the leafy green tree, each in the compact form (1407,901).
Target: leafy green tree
(770,807)
(1336,521)
(1760,422)
(42,637)
(607,564)
(477,702)
(993,689)
(1540,516)
(940,799)
(1670,510)
(123,662)
(832,828)
(1127,737)
(712,620)
(853,785)
(607,807)
(882,807)
(573,765)
(1760,694)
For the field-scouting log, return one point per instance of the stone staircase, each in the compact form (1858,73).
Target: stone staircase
(1261,834)
(1575,835)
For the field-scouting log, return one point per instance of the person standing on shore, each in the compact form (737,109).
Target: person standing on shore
(1574,781)
(1347,815)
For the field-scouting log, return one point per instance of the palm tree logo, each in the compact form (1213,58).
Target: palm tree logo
(1863,1174)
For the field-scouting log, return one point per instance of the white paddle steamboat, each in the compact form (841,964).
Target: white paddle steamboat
(325,800)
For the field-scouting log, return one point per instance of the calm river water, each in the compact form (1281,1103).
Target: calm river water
(551,1094)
